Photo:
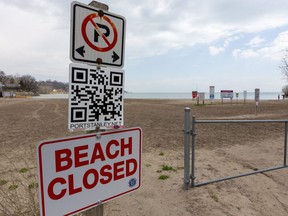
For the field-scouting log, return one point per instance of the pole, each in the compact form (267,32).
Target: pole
(187,148)
(99,209)
(193,152)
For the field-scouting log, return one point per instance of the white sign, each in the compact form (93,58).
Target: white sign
(95,97)
(96,34)
(227,94)
(212,92)
(245,95)
(76,173)
(201,96)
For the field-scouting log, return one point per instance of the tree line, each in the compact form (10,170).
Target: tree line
(28,83)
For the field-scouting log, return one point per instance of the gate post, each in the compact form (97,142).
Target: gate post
(187,148)
(193,133)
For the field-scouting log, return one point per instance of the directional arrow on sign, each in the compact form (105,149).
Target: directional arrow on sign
(115,56)
(81,50)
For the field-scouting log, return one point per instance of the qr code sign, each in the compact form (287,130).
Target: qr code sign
(95,97)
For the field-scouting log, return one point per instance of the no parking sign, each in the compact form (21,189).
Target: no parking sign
(96,34)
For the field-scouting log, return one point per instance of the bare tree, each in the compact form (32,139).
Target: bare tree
(285,90)
(28,83)
(284,66)
(3,77)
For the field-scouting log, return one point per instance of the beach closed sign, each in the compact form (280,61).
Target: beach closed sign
(77,173)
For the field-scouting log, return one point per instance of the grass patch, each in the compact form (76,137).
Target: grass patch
(13,187)
(163,177)
(33,185)
(213,196)
(23,170)
(20,196)
(167,168)
(161,154)
(3,182)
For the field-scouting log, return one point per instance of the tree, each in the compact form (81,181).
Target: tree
(3,78)
(285,90)
(2,75)
(28,83)
(284,66)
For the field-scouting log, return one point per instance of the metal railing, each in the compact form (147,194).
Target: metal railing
(191,132)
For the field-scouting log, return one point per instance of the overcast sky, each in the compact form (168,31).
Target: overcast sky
(171,45)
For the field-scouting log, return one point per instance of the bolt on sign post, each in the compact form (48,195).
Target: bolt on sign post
(81,172)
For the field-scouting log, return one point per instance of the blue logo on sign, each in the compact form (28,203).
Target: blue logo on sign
(132,182)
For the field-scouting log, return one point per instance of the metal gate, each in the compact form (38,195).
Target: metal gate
(190,132)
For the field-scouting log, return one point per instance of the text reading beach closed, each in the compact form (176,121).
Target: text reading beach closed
(76,173)
(96,34)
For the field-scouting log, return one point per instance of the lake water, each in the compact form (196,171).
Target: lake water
(185,95)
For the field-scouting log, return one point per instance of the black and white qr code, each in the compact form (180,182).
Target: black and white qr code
(95,98)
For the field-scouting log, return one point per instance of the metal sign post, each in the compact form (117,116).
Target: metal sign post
(99,209)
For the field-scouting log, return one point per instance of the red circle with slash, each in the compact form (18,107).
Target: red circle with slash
(89,19)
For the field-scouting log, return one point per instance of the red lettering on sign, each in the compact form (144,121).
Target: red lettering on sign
(92,177)
(126,146)
(72,189)
(63,159)
(108,149)
(118,168)
(51,192)
(97,153)
(105,173)
(95,175)
(78,156)
(130,170)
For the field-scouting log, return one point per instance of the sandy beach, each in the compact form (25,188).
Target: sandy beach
(221,150)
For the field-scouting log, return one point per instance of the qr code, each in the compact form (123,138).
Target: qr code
(96,97)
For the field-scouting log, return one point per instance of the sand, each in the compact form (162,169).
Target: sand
(221,150)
